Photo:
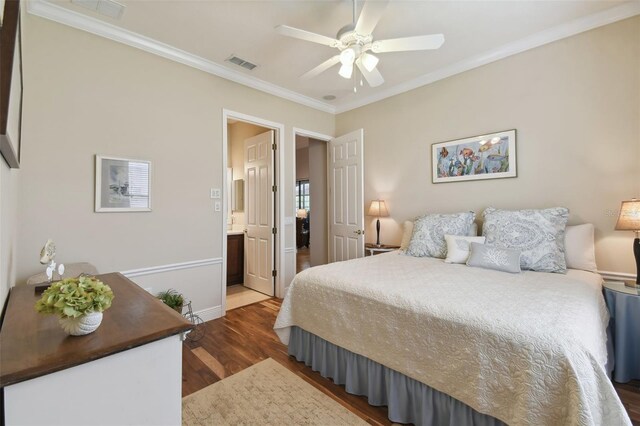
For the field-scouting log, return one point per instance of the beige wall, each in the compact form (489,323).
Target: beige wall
(302,163)
(576,106)
(86,95)
(318,247)
(575,103)
(8,226)
(236,134)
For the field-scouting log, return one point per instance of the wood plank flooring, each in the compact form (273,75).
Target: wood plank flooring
(245,337)
(303,259)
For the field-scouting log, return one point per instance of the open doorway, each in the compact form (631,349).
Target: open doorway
(311,202)
(250,213)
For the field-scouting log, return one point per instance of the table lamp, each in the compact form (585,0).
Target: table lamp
(629,220)
(379,209)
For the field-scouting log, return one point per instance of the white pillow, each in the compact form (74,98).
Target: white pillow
(406,235)
(458,247)
(580,252)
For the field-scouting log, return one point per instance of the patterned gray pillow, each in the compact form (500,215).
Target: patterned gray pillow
(539,234)
(492,257)
(429,230)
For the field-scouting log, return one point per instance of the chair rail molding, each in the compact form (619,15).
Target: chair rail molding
(617,276)
(172,267)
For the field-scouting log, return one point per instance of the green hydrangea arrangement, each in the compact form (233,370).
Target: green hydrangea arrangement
(74,297)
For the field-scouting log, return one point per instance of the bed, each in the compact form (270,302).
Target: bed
(485,347)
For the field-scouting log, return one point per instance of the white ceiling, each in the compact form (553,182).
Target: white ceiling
(214,30)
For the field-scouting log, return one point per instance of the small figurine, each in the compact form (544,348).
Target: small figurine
(47,256)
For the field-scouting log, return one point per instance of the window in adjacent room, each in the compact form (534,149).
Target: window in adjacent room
(302,194)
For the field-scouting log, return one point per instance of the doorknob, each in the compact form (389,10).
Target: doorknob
(359,232)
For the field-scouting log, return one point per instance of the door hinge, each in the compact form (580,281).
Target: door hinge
(274,231)
(274,273)
(274,146)
(274,188)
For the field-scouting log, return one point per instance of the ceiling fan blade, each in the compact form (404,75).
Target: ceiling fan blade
(373,77)
(424,42)
(321,68)
(306,35)
(370,15)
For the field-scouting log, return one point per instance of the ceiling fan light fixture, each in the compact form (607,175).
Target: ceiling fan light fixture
(369,61)
(346,70)
(347,56)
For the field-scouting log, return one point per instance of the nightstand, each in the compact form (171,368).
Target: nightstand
(371,249)
(624,307)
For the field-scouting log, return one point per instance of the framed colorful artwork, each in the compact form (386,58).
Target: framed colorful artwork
(489,156)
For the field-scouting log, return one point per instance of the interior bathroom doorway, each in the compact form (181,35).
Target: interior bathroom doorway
(250,213)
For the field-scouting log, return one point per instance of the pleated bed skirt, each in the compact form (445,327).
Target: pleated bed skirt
(408,400)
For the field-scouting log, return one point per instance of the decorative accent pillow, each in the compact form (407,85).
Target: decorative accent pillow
(538,234)
(407,231)
(580,251)
(458,247)
(492,257)
(429,230)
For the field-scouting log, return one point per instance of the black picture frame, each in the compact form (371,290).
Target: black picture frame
(11,43)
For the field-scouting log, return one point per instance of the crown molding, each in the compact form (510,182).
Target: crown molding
(550,35)
(59,14)
(56,13)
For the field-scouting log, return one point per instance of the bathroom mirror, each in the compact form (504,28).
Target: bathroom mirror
(238,195)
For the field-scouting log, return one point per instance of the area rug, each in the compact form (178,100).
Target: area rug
(264,394)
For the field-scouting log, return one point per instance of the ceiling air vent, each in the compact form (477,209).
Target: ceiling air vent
(241,62)
(108,8)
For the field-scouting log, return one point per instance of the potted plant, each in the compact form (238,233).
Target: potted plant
(79,302)
(172,299)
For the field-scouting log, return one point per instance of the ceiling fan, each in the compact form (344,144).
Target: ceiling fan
(355,41)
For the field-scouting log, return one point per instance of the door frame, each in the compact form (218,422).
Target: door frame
(279,138)
(317,136)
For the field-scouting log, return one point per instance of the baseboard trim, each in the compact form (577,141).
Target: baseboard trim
(209,314)
(172,267)
(617,276)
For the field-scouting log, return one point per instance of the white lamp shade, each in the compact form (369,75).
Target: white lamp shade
(369,61)
(301,213)
(347,56)
(629,218)
(378,208)
(346,70)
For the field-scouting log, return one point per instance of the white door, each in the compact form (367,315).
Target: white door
(258,240)
(346,203)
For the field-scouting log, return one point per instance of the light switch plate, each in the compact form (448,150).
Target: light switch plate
(215,193)
(217,206)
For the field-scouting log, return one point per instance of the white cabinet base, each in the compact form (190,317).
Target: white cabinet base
(140,386)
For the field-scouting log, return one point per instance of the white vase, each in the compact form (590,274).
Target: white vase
(82,325)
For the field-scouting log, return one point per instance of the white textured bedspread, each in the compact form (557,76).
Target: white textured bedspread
(528,349)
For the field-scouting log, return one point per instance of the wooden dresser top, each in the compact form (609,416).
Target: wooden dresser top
(33,344)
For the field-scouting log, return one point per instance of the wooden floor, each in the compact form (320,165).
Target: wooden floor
(245,337)
(303,259)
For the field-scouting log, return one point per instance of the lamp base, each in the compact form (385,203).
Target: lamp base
(636,253)
(631,284)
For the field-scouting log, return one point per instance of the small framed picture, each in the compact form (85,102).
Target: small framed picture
(490,156)
(122,185)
